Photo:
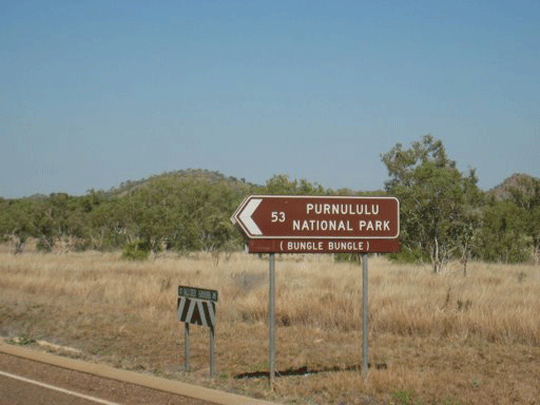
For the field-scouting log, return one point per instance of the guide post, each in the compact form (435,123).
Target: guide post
(197,306)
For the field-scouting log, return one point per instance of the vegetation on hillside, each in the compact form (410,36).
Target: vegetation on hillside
(444,214)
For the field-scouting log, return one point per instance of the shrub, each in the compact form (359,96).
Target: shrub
(138,250)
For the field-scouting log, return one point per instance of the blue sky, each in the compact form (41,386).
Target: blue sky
(95,93)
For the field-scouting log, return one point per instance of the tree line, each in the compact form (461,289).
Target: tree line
(444,215)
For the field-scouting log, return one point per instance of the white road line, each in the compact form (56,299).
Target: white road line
(62,390)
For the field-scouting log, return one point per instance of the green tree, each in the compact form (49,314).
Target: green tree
(280,184)
(45,228)
(467,223)
(16,221)
(435,199)
(502,236)
(526,195)
(205,223)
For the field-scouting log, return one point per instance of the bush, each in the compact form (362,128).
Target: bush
(407,256)
(138,250)
(45,244)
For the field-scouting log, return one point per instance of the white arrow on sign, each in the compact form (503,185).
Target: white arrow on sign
(246,214)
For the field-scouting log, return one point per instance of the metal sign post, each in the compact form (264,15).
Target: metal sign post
(271,320)
(186,338)
(365,314)
(212,351)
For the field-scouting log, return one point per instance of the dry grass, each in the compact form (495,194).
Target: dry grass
(435,339)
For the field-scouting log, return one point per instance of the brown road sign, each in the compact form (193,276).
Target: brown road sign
(323,245)
(327,217)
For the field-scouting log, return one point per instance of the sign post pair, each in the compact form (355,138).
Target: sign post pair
(326,224)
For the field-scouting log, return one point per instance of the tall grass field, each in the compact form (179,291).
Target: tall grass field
(433,338)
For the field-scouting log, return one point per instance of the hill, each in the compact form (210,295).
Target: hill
(515,181)
(198,175)
(501,192)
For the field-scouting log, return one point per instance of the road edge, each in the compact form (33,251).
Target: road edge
(160,384)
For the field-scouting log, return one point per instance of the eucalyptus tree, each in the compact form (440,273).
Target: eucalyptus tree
(435,198)
(281,184)
(502,237)
(16,221)
(526,195)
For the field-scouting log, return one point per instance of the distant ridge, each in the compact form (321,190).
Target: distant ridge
(502,191)
(183,174)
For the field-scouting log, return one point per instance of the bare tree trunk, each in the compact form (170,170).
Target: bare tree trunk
(465,258)
(435,257)
(19,245)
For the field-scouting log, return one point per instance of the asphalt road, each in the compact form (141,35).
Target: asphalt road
(32,377)
(26,382)
(17,390)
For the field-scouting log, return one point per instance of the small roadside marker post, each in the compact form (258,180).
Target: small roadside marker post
(197,306)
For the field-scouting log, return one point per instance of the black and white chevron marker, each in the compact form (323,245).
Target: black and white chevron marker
(197,312)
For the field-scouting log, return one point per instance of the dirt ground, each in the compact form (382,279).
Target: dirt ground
(318,364)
